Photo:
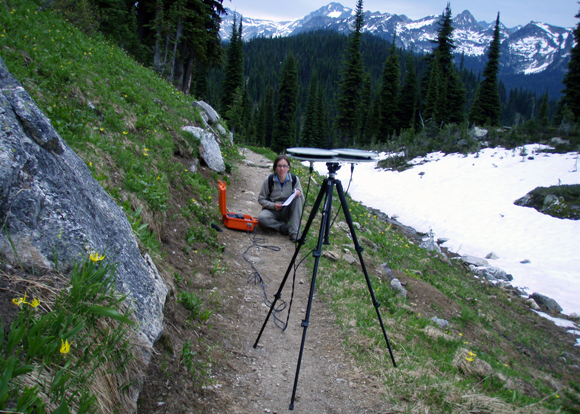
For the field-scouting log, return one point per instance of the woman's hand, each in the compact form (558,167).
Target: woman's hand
(278,206)
(298,193)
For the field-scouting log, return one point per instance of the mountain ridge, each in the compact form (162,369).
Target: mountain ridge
(529,49)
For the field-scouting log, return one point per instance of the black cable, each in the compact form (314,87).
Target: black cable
(293,284)
(256,278)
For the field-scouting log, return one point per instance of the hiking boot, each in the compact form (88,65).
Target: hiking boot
(294,238)
(284,229)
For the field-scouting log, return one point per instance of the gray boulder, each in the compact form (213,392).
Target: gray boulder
(222,130)
(212,116)
(549,303)
(388,271)
(398,287)
(442,323)
(551,201)
(492,273)
(478,133)
(54,211)
(430,244)
(210,149)
(475,261)
(559,141)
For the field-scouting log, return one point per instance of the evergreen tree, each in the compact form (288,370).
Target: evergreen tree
(487,105)
(455,99)
(350,87)
(285,118)
(389,94)
(323,133)
(445,43)
(200,87)
(248,117)
(261,123)
(234,70)
(407,105)
(543,116)
(372,127)
(572,78)
(269,118)
(235,115)
(311,122)
(433,93)
(365,138)
(445,93)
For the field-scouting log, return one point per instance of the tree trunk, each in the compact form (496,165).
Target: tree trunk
(164,65)
(187,73)
(157,66)
(174,57)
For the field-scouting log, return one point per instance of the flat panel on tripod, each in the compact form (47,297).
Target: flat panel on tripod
(311,154)
(350,154)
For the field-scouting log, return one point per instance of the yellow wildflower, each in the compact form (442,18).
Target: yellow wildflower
(19,301)
(65,347)
(96,257)
(35,303)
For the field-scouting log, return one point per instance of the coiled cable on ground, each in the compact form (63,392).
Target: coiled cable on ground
(255,277)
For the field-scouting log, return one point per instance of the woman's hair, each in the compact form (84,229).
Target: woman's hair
(280,158)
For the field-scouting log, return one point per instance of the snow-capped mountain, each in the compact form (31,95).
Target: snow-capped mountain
(528,49)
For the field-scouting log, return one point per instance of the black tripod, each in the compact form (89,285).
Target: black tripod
(325,190)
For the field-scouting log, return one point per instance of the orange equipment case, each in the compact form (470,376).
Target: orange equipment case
(234,220)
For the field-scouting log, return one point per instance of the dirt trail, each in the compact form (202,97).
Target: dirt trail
(261,380)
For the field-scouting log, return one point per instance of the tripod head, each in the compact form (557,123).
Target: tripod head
(333,167)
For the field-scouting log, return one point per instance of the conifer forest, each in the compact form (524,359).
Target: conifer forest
(328,90)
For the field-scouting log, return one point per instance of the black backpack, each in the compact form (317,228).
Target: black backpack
(271,183)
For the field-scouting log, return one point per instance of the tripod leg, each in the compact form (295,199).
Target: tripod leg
(359,250)
(316,254)
(278,294)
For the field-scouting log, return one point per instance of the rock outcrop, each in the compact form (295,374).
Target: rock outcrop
(209,149)
(53,212)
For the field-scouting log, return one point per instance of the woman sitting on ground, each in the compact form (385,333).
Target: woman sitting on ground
(275,190)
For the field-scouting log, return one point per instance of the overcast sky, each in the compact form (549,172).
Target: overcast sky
(512,12)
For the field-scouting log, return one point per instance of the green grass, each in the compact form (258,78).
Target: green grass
(35,361)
